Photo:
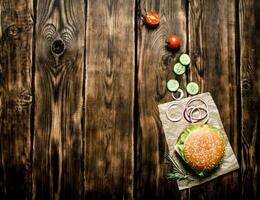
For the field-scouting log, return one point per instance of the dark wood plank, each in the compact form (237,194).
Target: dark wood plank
(109,100)
(249,23)
(154,70)
(212,46)
(59,66)
(16,28)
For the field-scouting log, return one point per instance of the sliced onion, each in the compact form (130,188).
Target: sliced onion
(195,120)
(168,115)
(181,95)
(190,115)
(187,113)
(190,109)
(204,120)
(199,108)
(196,99)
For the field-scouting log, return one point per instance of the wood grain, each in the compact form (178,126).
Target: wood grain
(15,98)
(212,46)
(249,23)
(80,82)
(109,103)
(154,70)
(59,66)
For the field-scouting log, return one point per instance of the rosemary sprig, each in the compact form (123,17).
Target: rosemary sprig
(176,173)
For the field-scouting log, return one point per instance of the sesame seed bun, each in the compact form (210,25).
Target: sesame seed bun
(202,147)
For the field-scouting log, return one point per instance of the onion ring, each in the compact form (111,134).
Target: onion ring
(168,115)
(185,115)
(190,109)
(190,115)
(187,112)
(204,120)
(181,95)
(199,108)
(195,120)
(197,99)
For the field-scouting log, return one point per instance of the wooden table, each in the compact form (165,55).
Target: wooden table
(80,82)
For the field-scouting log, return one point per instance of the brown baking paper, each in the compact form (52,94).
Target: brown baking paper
(172,131)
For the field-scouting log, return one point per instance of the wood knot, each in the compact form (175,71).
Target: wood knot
(246,85)
(21,22)
(25,97)
(59,41)
(58,47)
(28,26)
(166,60)
(12,31)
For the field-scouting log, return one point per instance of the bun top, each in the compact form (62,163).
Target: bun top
(204,148)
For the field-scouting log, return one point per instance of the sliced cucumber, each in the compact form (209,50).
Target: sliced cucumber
(179,69)
(193,88)
(184,59)
(173,85)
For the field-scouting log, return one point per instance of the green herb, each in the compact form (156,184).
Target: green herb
(176,173)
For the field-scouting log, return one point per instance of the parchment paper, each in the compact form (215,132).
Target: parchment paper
(172,131)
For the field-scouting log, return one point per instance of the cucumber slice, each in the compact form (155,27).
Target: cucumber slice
(184,59)
(179,69)
(173,85)
(193,88)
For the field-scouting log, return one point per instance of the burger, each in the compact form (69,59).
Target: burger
(202,147)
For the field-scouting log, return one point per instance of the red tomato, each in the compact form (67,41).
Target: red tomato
(152,18)
(173,41)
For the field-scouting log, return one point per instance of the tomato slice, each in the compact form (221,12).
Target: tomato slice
(174,41)
(152,18)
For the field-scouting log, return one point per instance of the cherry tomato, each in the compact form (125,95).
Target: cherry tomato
(173,41)
(152,18)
